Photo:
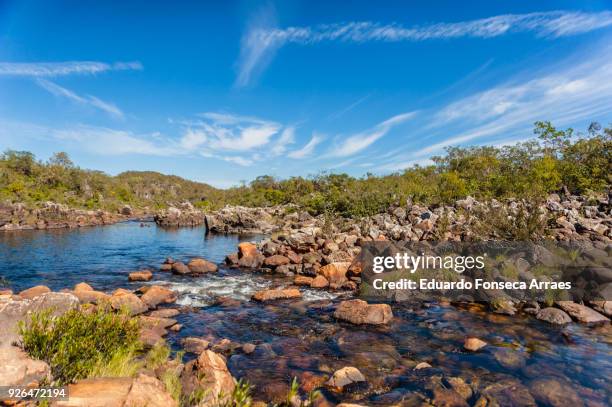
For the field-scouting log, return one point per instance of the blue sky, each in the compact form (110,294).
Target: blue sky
(222,92)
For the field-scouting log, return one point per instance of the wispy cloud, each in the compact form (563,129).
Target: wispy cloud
(87,100)
(286,138)
(52,69)
(308,149)
(361,141)
(260,42)
(350,107)
(570,93)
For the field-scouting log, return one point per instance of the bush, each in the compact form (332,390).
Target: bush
(79,344)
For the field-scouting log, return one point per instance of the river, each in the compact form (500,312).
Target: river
(301,338)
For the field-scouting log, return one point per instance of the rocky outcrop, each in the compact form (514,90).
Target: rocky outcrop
(582,313)
(12,311)
(183,214)
(243,220)
(143,390)
(208,374)
(51,215)
(360,312)
(18,369)
(554,316)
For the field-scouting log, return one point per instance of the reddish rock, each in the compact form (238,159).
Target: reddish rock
(582,313)
(278,294)
(91,296)
(150,392)
(83,287)
(195,345)
(130,302)
(474,344)
(360,312)
(180,268)
(335,273)
(345,376)
(99,392)
(210,375)
(141,275)
(232,259)
(165,267)
(201,266)
(294,257)
(319,282)
(156,295)
(34,292)
(302,280)
(247,249)
(276,260)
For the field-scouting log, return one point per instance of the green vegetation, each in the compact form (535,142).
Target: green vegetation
(557,160)
(80,344)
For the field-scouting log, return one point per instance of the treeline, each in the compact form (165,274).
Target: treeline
(556,160)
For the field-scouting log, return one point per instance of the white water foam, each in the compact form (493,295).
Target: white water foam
(203,291)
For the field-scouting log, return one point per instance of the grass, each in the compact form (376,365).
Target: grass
(79,344)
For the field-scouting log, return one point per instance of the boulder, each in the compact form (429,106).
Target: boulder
(34,292)
(91,296)
(276,294)
(201,266)
(141,275)
(345,376)
(276,260)
(335,273)
(83,287)
(360,312)
(156,295)
(319,282)
(209,375)
(150,392)
(165,267)
(553,316)
(247,249)
(582,313)
(12,311)
(130,302)
(18,369)
(474,344)
(180,268)
(99,392)
(195,345)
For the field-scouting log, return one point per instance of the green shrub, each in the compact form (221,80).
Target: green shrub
(79,344)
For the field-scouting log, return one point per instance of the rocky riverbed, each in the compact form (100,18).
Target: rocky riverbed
(286,306)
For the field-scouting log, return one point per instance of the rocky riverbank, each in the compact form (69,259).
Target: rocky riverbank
(50,215)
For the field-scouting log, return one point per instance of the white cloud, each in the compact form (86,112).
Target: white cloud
(360,141)
(260,42)
(245,162)
(51,69)
(307,149)
(286,138)
(87,100)
(568,94)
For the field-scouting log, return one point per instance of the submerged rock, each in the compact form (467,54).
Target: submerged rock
(474,344)
(345,376)
(360,312)
(553,316)
(551,392)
